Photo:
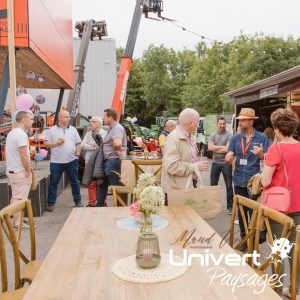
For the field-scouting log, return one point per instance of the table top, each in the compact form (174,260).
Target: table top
(78,266)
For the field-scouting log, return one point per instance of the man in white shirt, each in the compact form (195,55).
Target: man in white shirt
(64,142)
(18,160)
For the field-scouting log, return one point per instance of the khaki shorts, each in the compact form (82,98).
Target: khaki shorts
(20,186)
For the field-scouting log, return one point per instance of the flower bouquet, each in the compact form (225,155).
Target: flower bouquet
(150,199)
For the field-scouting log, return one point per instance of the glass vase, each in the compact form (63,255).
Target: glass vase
(147,252)
(146,223)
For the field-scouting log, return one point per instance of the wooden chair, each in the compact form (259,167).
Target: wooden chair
(294,271)
(141,166)
(18,293)
(240,202)
(31,264)
(266,214)
(119,191)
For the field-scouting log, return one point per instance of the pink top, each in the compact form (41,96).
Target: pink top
(291,157)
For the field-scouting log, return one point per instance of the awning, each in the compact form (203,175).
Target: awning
(277,86)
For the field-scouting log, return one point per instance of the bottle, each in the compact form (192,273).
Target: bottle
(36,137)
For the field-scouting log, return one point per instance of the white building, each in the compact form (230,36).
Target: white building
(99,80)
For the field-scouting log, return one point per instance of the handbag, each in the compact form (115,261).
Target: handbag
(278,197)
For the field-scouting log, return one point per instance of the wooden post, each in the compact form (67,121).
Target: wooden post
(11,55)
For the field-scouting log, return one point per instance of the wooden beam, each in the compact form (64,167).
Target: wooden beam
(11,55)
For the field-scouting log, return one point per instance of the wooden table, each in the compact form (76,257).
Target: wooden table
(79,263)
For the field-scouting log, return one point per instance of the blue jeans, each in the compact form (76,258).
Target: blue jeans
(226,170)
(110,178)
(56,170)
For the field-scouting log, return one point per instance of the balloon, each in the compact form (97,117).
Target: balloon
(43,153)
(24,102)
(39,157)
(40,99)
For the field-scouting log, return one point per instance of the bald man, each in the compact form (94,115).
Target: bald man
(169,127)
(64,142)
(181,155)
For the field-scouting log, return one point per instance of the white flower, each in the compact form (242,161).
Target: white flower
(152,200)
(145,180)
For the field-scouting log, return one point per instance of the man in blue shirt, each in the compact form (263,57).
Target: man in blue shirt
(248,146)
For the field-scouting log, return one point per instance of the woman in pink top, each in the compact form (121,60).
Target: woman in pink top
(285,123)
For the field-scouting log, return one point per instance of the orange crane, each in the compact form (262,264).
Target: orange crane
(142,7)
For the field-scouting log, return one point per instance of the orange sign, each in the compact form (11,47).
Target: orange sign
(20,23)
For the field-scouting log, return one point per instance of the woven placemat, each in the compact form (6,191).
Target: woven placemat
(131,223)
(127,269)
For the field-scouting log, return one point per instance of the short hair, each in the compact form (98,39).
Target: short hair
(286,121)
(97,119)
(171,123)
(187,114)
(22,115)
(220,118)
(110,112)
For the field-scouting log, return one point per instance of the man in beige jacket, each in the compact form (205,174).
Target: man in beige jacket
(180,159)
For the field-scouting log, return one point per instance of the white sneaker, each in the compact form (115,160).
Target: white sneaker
(26,221)
(236,222)
(24,226)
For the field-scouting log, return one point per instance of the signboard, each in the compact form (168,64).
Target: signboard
(20,24)
(272,90)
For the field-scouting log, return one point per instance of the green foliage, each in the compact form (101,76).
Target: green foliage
(163,81)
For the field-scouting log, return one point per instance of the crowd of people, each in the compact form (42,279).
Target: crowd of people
(238,157)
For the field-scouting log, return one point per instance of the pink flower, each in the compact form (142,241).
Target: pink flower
(134,208)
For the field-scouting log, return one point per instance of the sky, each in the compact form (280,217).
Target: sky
(218,20)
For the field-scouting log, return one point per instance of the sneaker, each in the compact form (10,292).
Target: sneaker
(90,205)
(24,226)
(229,211)
(26,221)
(236,222)
(50,207)
(78,204)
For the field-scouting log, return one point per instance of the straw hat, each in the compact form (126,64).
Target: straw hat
(247,113)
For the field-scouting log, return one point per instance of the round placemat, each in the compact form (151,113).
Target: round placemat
(127,269)
(131,223)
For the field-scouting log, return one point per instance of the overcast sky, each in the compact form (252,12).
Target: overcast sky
(220,20)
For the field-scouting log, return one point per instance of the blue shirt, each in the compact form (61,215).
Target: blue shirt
(243,173)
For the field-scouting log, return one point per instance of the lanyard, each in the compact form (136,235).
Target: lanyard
(244,151)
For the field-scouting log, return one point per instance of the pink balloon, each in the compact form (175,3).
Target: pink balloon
(43,152)
(24,102)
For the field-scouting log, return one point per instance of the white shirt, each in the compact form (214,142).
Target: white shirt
(66,152)
(15,139)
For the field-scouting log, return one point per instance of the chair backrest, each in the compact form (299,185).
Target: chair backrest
(143,165)
(119,191)
(240,203)
(14,237)
(3,262)
(294,273)
(265,215)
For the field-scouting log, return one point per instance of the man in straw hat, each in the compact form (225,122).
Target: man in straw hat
(248,146)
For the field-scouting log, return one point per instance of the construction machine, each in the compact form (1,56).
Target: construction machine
(88,31)
(142,7)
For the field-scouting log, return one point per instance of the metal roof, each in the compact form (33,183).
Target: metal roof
(280,83)
(284,76)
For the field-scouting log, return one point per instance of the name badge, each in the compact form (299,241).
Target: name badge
(243,162)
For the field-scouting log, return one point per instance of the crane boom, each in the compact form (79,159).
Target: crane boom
(142,6)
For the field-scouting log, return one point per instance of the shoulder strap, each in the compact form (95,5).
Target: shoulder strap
(282,159)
